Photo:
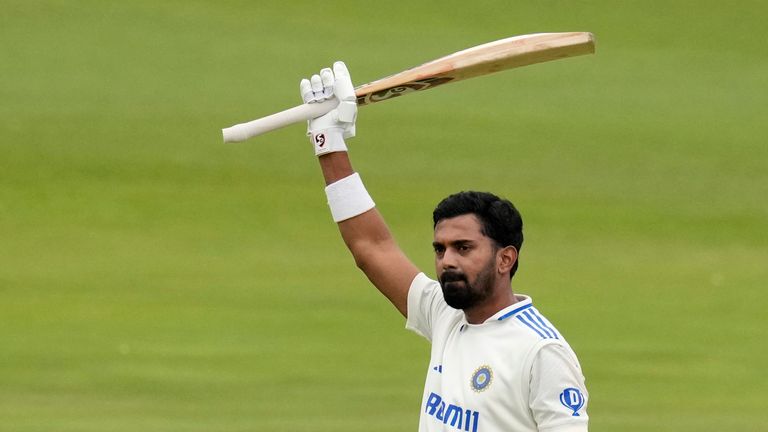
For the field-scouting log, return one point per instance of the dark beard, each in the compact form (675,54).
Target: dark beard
(460,294)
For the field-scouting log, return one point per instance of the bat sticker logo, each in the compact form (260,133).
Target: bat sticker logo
(402,89)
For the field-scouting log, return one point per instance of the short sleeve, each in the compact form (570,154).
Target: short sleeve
(558,397)
(425,302)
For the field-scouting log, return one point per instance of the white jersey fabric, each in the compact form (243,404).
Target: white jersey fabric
(512,373)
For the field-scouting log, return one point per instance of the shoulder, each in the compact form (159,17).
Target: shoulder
(427,310)
(552,379)
(531,330)
(524,316)
(424,292)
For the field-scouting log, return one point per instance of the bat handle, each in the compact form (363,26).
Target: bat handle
(243,131)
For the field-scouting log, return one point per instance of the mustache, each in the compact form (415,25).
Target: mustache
(453,276)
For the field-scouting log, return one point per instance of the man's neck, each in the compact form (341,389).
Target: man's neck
(480,313)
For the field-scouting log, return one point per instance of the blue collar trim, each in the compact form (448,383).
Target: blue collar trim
(514,311)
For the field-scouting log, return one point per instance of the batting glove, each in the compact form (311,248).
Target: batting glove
(328,131)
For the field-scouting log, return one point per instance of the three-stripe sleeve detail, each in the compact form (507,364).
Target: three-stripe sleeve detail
(530,317)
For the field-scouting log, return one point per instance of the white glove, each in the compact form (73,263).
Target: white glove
(328,131)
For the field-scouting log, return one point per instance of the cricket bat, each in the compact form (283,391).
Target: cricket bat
(480,60)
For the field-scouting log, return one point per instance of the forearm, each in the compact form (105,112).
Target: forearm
(335,166)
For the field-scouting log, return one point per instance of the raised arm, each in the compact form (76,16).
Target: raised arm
(363,229)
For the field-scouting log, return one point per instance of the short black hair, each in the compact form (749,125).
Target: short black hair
(500,220)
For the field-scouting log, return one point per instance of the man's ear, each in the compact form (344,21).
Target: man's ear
(506,258)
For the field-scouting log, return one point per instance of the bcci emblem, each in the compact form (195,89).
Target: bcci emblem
(572,399)
(482,378)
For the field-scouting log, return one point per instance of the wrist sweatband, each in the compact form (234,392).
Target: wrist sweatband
(348,198)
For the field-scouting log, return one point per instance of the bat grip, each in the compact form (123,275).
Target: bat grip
(243,131)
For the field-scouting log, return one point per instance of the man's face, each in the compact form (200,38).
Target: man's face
(465,261)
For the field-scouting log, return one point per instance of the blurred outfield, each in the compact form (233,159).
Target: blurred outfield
(153,279)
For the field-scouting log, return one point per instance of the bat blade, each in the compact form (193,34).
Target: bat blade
(480,60)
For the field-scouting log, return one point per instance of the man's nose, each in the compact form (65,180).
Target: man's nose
(449,260)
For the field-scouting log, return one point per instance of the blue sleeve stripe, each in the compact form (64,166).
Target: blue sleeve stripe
(529,316)
(522,320)
(541,321)
(531,319)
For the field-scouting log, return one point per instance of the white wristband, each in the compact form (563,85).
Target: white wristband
(348,198)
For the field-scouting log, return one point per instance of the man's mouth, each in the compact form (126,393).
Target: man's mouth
(450,277)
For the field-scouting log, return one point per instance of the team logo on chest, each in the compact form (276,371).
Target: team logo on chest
(482,378)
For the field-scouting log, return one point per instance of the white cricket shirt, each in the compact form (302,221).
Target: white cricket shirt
(512,373)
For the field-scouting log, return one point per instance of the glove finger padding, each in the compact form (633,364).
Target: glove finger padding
(347,108)
(344,89)
(328,131)
(326,76)
(317,88)
(307,95)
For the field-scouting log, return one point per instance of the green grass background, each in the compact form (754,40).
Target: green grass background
(154,279)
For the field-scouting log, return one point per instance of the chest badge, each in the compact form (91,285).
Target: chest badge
(482,378)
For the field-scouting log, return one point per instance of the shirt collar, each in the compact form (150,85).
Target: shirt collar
(523,302)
